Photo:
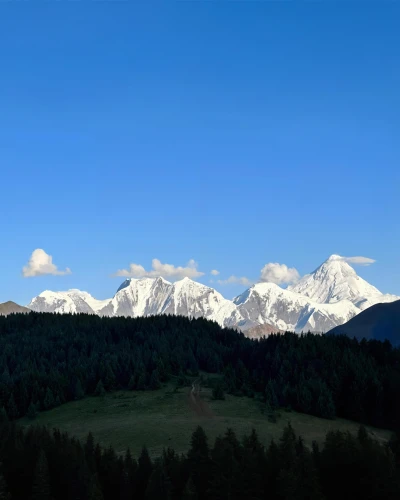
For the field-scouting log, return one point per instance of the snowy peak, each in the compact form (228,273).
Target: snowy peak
(333,281)
(71,301)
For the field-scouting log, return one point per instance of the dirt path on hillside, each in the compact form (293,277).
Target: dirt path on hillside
(198,405)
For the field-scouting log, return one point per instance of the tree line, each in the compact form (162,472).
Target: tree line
(49,359)
(37,464)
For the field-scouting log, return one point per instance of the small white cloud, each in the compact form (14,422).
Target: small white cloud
(160,269)
(214,272)
(236,280)
(361,261)
(41,263)
(279,274)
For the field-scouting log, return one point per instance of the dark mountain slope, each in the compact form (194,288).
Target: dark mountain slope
(379,322)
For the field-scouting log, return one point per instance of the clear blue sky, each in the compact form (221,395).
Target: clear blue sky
(235,133)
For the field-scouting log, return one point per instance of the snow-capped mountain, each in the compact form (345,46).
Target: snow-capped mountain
(335,280)
(72,301)
(287,310)
(147,297)
(326,298)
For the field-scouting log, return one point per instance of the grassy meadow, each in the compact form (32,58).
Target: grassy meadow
(165,418)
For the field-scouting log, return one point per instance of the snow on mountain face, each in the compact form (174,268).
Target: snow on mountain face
(287,310)
(335,280)
(72,301)
(328,297)
(148,296)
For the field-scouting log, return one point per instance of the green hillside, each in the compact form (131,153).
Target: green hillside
(165,418)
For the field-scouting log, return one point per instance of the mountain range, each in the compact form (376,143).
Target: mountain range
(320,301)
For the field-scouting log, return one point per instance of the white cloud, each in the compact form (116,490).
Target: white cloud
(41,263)
(279,273)
(361,261)
(236,280)
(160,269)
(214,272)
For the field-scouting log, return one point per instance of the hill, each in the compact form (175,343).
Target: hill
(379,322)
(166,417)
(51,359)
(10,307)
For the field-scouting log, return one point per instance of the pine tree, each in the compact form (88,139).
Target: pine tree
(109,378)
(3,415)
(12,410)
(132,383)
(4,492)
(189,492)
(99,391)
(141,382)
(145,468)
(79,392)
(159,486)
(41,481)
(218,392)
(95,492)
(32,413)
(154,381)
(199,462)
(49,401)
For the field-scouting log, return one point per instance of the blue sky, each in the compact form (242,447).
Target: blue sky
(234,133)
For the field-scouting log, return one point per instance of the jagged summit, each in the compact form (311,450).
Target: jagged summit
(328,297)
(335,280)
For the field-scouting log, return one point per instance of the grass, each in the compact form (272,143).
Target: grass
(164,418)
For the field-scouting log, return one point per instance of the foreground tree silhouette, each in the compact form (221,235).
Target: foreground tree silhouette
(199,462)
(4,492)
(41,482)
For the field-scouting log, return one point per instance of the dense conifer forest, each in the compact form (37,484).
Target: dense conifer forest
(48,359)
(39,465)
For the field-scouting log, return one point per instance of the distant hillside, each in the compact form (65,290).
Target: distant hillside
(379,322)
(11,307)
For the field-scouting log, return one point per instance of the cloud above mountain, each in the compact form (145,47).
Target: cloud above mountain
(40,264)
(361,261)
(160,269)
(236,280)
(214,272)
(279,274)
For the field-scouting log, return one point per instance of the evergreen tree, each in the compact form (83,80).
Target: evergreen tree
(49,401)
(154,381)
(79,392)
(189,492)
(145,468)
(4,492)
(218,392)
(199,462)
(3,415)
(41,481)
(132,383)
(100,391)
(159,486)
(32,412)
(12,410)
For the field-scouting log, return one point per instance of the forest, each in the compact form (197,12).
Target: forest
(49,359)
(37,464)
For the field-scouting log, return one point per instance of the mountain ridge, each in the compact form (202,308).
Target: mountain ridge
(318,302)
